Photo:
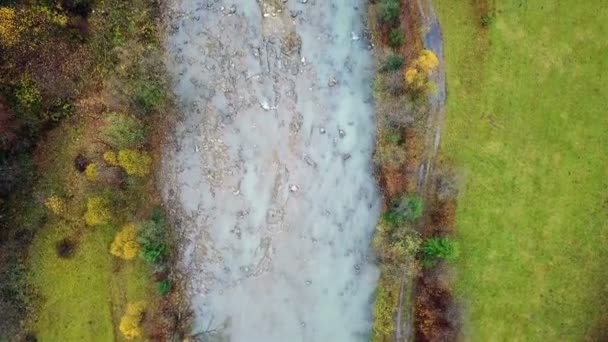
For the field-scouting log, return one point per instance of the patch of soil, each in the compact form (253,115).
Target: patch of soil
(81,162)
(65,248)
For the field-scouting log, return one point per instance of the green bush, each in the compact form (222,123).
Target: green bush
(392,63)
(164,286)
(152,240)
(435,249)
(123,131)
(407,208)
(388,11)
(396,38)
(148,97)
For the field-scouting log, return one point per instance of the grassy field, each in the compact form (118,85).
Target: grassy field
(527,125)
(83,296)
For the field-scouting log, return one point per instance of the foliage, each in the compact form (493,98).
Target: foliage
(130,323)
(392,63)
(123,131)
(98,211)
(28,100)
(149,96)
(152,238)
(110,158)
(388,11)
(10,30)
(388,153)
(125,243)
(407,208)
(92,172)
(164,286)
(55,204)
(385,304)
(134,162)
(417,75)
(396,38)
(437,248)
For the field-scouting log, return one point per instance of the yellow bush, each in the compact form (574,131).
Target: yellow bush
(417,75)
(55,204)
(130,323)
(125,243)
(110,158)
(10,30)
(427,61)
(98,211)
(135,162)
(91,172)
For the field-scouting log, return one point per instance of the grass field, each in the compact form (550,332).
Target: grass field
(82,297)
(527,126)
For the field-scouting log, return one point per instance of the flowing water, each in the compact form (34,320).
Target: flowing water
(268,171)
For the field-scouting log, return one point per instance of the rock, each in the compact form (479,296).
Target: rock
(232,9)
(322,130)
(294,188)
(355,36)
(342,133)
(332,81)
(303,1)
(265,105)
(294,14)
(346,156)
(308,282)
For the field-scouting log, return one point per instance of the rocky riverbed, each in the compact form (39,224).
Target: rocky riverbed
(268,171)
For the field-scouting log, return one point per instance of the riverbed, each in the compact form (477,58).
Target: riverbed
(268,171)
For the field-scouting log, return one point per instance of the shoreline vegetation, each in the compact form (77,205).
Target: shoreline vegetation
(413,240)
(87,253)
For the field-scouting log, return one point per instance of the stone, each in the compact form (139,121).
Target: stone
(322,130)
(294,188)
(332,81)
(342,133)
(232,9)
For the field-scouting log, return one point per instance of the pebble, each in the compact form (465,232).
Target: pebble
(322,130)
(294,188)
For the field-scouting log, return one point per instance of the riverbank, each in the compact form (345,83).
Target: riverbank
(419,193)
(95,253)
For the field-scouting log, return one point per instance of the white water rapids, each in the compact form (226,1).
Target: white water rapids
(269,169)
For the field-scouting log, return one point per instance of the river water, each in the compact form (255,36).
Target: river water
(268,170)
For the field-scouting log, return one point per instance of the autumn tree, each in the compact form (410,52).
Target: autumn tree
(135,162)
(130,323)
(125,243)
(98,211)
(417,74)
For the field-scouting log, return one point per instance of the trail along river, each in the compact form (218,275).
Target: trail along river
(268,170)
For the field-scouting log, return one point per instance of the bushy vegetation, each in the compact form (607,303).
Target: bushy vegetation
(438,248)
(408,208)
(130,323)
(123,131)
(395,38)
(388,11)
(125,243)
(98,211)
(134,162)
(417,75)
(392,63)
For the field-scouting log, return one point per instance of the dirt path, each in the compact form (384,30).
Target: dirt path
(269,169)
(433,40)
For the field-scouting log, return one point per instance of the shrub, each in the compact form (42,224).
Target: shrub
(417,75)
(130,323)
(134,162)
(437,248)
(164,286)
(10,30)
(395,38)
(123,131)
(28,101)
(98,211)
(149,96)
(91,172)
(407,208)
(394,83)
(388,11)
(152,240)
(55,204)
(110,158)
(125,243)
(392,63)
